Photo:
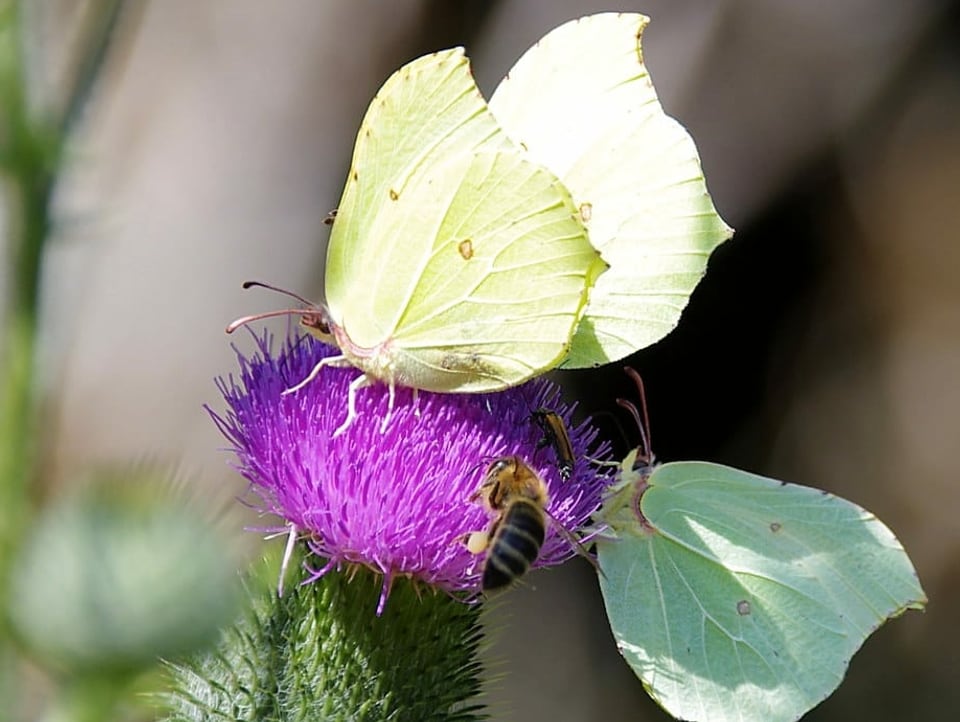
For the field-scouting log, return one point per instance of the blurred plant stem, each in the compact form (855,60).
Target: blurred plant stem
(26,159)
(31,146)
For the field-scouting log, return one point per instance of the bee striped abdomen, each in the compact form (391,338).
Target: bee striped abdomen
(516,544)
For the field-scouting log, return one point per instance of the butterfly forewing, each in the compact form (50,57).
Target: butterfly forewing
(428,113)
(504,309)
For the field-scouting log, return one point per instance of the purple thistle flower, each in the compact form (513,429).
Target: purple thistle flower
(396,502)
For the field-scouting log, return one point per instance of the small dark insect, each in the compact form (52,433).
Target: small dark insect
(555,435)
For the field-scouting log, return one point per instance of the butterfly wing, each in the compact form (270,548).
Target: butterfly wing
(582,103)
(502,280)
(428,111)
(455,263)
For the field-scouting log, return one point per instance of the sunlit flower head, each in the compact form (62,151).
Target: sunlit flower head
(397,502)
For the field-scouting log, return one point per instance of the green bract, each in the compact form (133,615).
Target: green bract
(737,597)
(581,102)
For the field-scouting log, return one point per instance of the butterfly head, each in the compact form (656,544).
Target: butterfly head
(314,317)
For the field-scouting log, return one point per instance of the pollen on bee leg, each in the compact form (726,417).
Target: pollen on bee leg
(477,542)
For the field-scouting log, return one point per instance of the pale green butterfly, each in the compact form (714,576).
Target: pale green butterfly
(456,263)
(737,597)
(582,104)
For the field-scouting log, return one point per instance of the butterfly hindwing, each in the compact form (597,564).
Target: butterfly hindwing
(582,103)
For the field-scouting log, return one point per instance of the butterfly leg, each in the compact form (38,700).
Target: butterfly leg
(391,397)
(355,385)
(338,361)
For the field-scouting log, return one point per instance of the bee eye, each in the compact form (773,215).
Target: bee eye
(499,466)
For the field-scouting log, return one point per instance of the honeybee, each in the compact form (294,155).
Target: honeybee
(512,542)
(555,435)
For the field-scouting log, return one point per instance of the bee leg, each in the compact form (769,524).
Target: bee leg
(598,462)
(464,539)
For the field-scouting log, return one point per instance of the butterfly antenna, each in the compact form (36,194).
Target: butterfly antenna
(270,314)
(643,423)
(285,292)
(311,310)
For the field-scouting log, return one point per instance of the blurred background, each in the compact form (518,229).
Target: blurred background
(823,346)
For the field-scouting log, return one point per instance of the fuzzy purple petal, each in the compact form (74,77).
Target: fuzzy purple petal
(397,501)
